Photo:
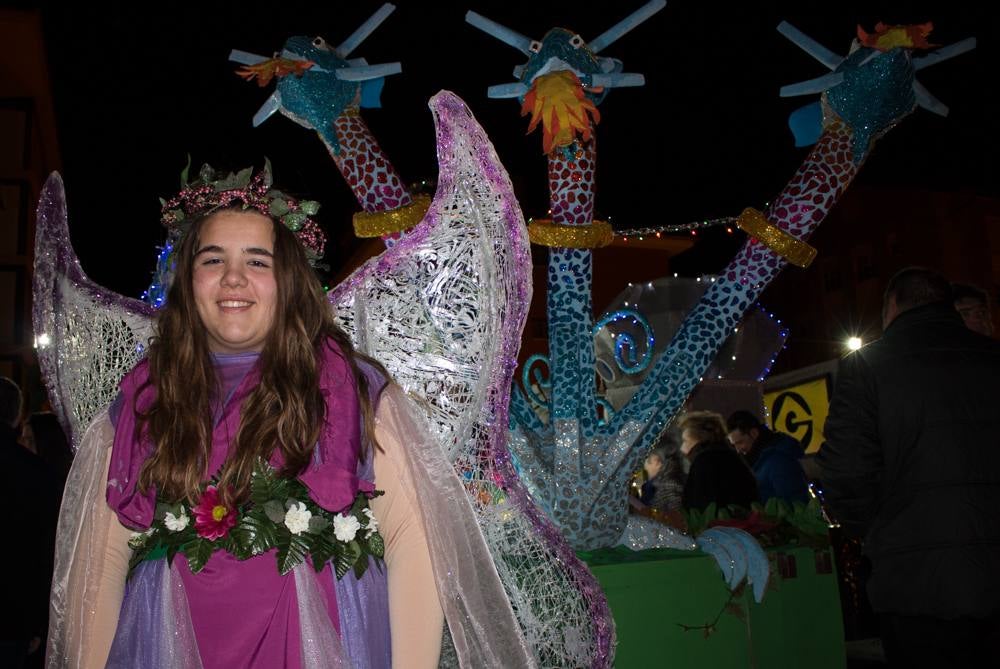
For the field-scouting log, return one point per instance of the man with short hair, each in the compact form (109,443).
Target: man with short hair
(912,463)
(773,457)
(973,305)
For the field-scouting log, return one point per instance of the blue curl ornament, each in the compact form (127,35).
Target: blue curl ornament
(625,345)
(543,383)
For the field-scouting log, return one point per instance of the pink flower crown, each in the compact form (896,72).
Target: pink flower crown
(209,192)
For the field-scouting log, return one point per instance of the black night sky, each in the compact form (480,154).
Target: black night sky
(138,86)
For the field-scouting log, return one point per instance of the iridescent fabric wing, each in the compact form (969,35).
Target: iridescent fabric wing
(443,309)
(87,337)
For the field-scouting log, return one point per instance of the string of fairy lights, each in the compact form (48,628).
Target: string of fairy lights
(693,227)
(656,232)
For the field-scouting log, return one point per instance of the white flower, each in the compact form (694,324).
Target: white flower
(138,539)
(372,525)
(297,518)
(345,527)
(176,523)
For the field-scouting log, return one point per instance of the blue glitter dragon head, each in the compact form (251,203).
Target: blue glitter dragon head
(875,86)
(562,50)
(317,83)
(564,79)
(876,92)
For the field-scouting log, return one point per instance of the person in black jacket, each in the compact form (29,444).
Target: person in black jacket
(29,494)
(42,434)
(912,463)
(718,473)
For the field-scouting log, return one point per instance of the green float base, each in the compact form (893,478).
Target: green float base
(654,594)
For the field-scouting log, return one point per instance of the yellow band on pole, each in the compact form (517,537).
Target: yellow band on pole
(791,249)
(546,233)
(382,223)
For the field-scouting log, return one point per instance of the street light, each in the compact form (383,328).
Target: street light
(854,343)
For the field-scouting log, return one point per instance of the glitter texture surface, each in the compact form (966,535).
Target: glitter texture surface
(594,236)
(94,335)
(876,93)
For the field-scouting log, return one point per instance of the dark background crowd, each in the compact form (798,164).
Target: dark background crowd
(909,470)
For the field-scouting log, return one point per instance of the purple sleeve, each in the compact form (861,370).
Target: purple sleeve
(332,477)
(134,508)
(377,382)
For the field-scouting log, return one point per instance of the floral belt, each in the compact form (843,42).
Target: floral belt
(279,515)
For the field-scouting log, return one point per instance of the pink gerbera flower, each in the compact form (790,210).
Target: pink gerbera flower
(211,519)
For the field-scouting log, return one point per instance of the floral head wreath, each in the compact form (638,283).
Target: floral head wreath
(210,192)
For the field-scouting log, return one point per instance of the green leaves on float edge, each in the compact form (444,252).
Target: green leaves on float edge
(777,523)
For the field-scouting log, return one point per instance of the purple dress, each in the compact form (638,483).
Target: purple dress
(246,614)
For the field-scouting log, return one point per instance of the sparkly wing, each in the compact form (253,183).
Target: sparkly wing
(87,336)
(435,308)
(443,309)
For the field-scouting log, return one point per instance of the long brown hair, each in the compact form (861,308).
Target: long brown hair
(285,411)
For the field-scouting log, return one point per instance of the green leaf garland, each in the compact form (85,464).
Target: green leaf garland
(262,525)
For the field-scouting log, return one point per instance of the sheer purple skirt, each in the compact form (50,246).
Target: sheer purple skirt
(155,628)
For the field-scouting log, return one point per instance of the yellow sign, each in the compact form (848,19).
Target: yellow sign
(800,411)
